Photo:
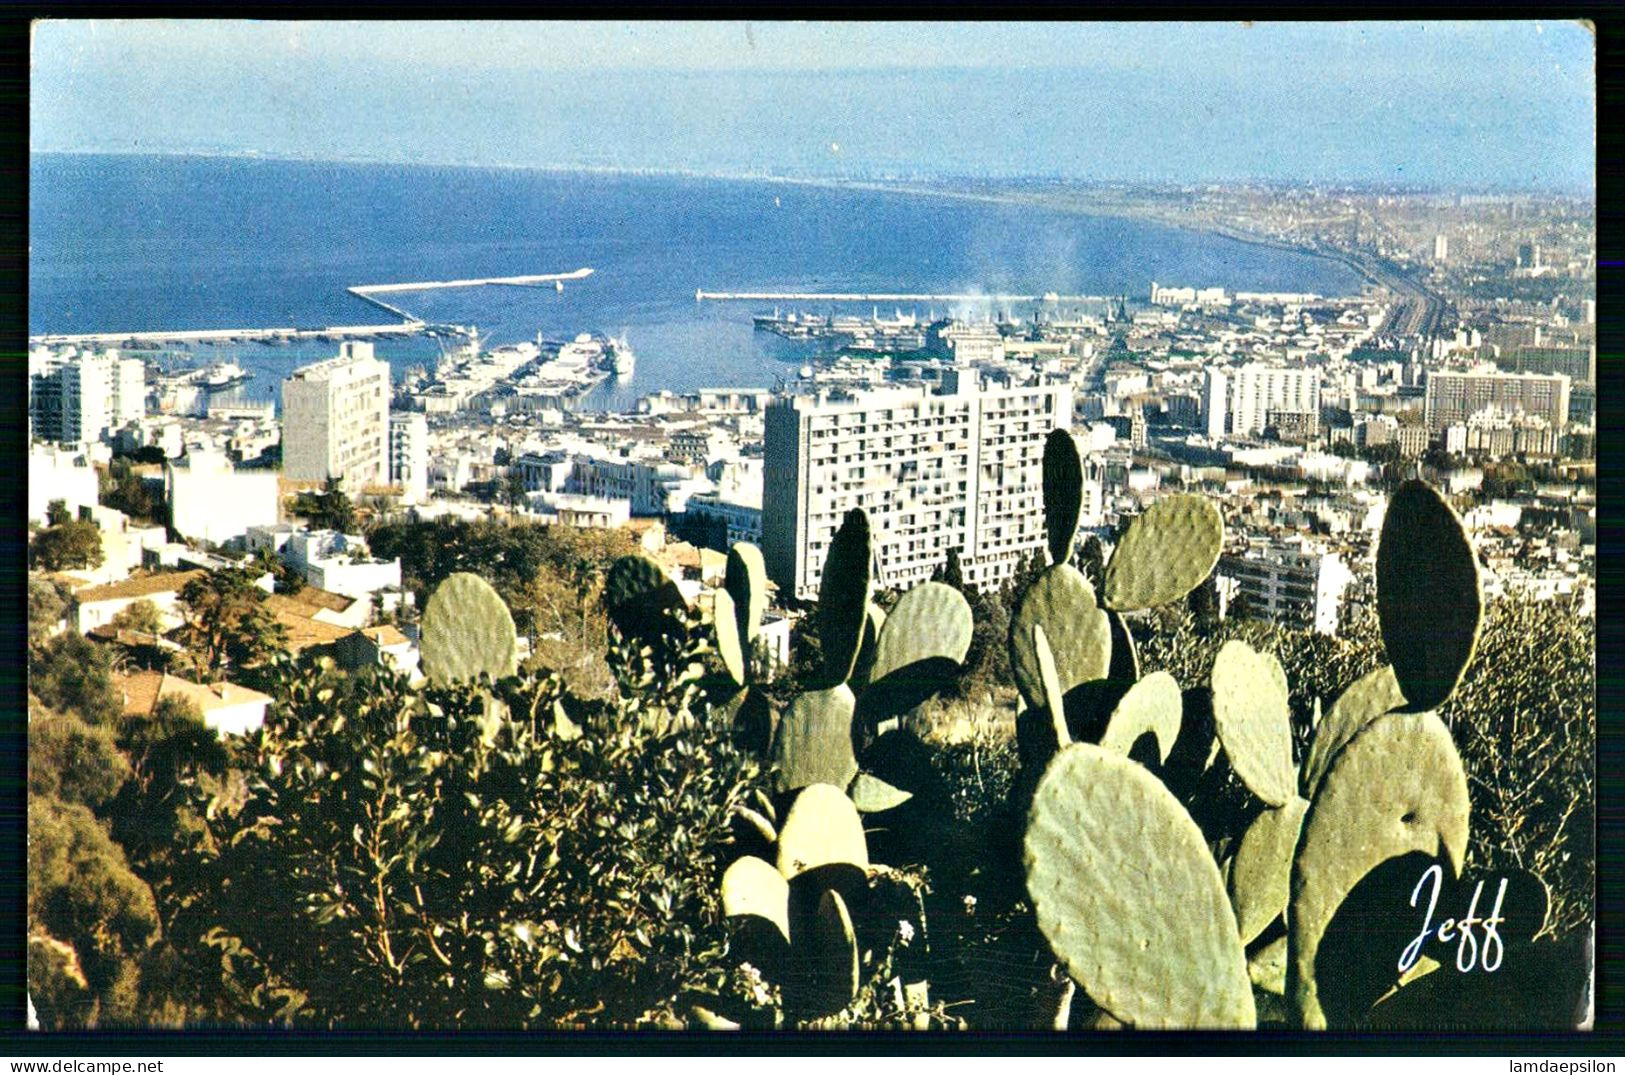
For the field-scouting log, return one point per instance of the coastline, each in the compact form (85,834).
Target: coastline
(915,188)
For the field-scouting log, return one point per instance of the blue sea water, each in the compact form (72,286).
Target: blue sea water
(136,243)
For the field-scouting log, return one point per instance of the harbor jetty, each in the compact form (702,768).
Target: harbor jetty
(701,295)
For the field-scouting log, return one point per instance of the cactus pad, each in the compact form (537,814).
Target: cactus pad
(1152,705)
(1429,596)
(726,624)
(467,630)
(1267,968)
(1367,698)
(872,795)
(1397,787)
(1129,898)
(815,740)
(843,596)
(1063,493)
(931,620)
(1254,721)
(1125,654)
(821,829)
(751,886)
(1261,873)
(1167,552)
(640,598)
(1079,634)
(746,582)
(832,956)
(1054,697)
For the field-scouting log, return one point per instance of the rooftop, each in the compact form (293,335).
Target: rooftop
(146,586)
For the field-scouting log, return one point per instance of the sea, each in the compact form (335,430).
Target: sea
(132,243)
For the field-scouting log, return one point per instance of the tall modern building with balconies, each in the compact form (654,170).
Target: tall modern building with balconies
(957,468)
(1239,401)
(409,455)
(335,420)
(76,398)
(1452,398)
(1291,581)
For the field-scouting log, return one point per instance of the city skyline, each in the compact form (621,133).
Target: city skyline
(1453,104)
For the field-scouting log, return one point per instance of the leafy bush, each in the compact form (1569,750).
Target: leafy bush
(393,866)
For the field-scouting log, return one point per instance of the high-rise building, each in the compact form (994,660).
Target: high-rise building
(1441,248)
(409,455)
(1291,582)
(1452,398)
(1239,401)
(960,468)
(335,419)
(76,398)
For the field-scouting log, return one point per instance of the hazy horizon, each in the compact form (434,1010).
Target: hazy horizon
(1443,105)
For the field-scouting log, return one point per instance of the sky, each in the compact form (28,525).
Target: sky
(1452,104)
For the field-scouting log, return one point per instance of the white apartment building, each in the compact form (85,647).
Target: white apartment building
(409,455)
(77,398)
(56,473)
(1239,401)
(651,488)
(335,419)
(1452,398)
(1291,582)
(212,501)
(960,468)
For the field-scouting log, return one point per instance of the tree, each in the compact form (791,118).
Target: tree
(141,617)
(70,674)
(336,511)
(540,880)
(329,509)
(89,919)
(1091,560)
(47,605)
(67,546)
(950,572)
(227,625)
(73,761)
(514,489)
(125,490)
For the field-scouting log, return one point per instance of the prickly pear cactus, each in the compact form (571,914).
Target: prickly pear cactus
(843,596)
(729,646)
(822,829)
(640,598)
(1125,654)
(1429,595)
(931,620)
(832,957)
(1063,602)
(815,740)
(872,795)
(1054,697)
(1260,879)
(746,583)
(467,631)
(1063,493)
(1254,721)
(1154,705)
(1367,698)
(1129,898)
(1167,552)
(753,887)
(1397,787)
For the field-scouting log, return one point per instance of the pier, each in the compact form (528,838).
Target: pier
(237,335)
(362,290)
(831,296)
(409,325)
